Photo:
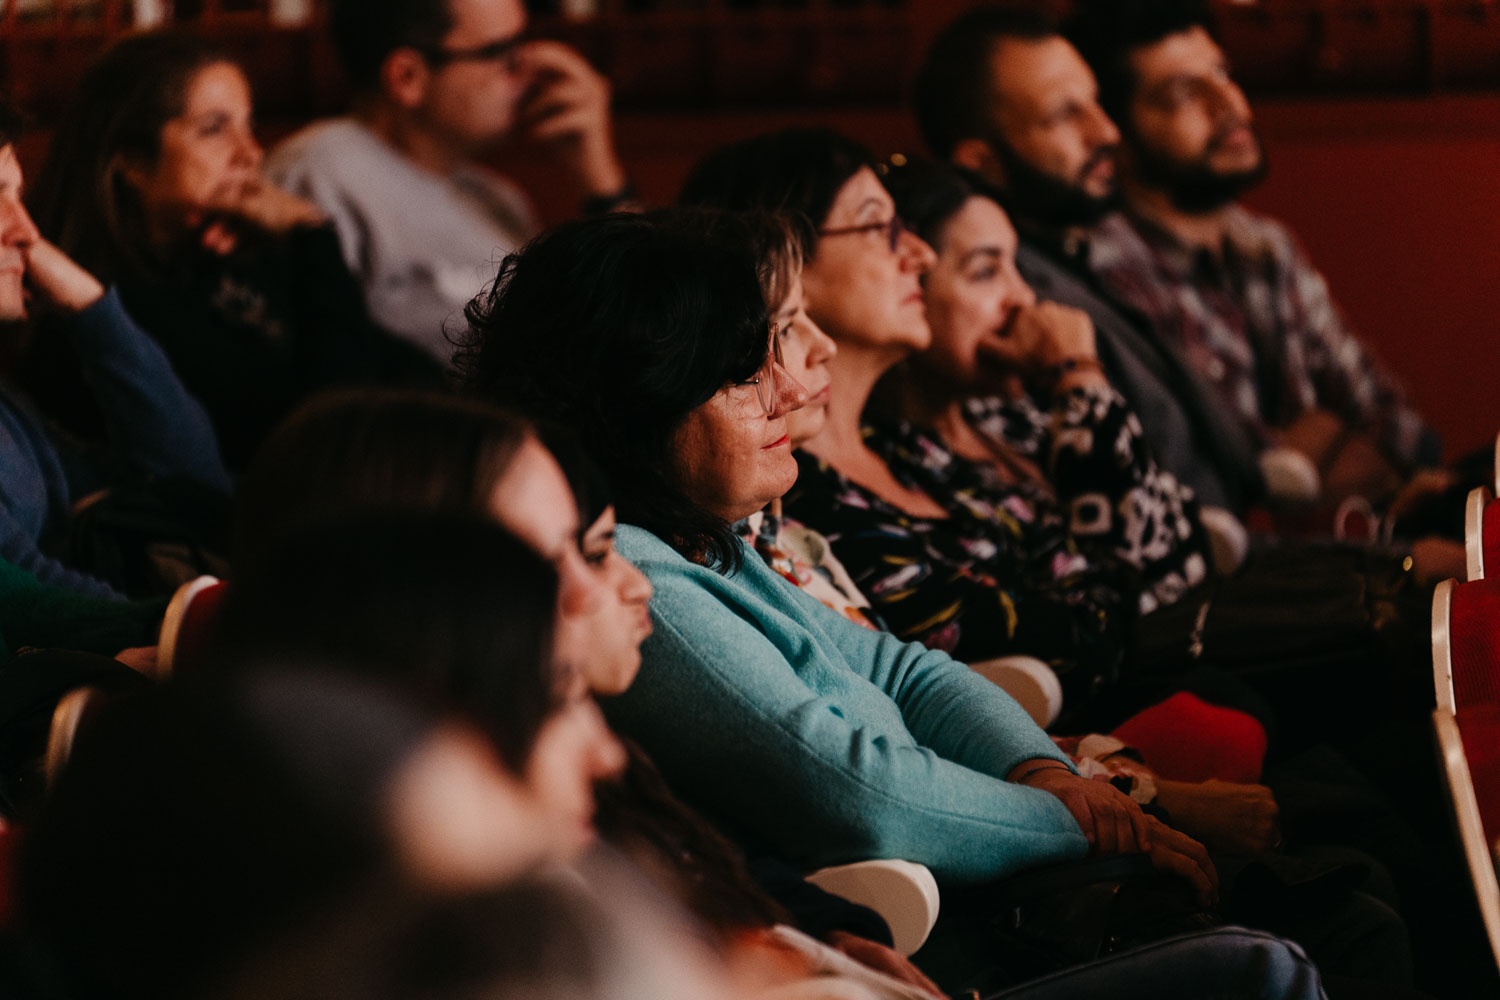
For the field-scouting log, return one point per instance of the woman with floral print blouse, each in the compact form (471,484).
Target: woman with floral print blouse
(976,572)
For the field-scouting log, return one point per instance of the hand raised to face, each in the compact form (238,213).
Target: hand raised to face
(566,107)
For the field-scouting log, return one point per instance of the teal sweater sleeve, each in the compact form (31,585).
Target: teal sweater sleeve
(828,741)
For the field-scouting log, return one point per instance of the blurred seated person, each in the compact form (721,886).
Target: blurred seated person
(434,738)
(356,450)
(1230,289)
(438,83)
(154,427)
(153,182)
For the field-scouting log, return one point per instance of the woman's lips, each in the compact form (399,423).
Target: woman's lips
(784,439)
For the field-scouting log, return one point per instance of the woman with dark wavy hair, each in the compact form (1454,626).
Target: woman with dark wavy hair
(650,338)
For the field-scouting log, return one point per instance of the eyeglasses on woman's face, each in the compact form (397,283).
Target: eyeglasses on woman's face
(892,227)
(764,380)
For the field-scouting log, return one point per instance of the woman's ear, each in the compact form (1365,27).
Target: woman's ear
(404,77)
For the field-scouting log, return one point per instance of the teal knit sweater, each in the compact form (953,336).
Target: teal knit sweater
(828,741)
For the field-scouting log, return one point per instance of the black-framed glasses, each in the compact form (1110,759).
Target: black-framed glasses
(765,379)
(502,50)
(892,227)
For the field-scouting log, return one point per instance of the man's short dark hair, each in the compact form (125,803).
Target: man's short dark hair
(952,91)
(1108,32)
(367,31)
(11,122)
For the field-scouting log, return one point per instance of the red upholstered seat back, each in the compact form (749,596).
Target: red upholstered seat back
(1474,631)
(1491,540)
(1480,729)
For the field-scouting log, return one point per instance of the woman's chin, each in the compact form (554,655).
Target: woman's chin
(806,424)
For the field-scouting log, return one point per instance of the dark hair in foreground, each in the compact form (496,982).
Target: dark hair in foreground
(795,173)
(195,822)
(369,448)
(81,200)
(367,31)
(951,96)
(446,604)
(1107,32)
(618,328)
(544,940)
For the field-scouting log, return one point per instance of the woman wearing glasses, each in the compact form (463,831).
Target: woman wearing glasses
(825,740)
(153,183)
(980,579)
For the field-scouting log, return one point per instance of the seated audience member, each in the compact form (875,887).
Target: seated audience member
(805,557)
(432,601)
(988,570)
(986,575)
(844,743)
(153,183)
(651,340)
(195,824)
(965,416)
(1003,94)
(439,82)
(407,450)
(413,450)
(154,427)
(1231,289)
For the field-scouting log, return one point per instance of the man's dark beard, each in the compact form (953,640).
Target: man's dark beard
(1044,200)
(1195,188)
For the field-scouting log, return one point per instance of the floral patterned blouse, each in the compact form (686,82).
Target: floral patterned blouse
(1016,567)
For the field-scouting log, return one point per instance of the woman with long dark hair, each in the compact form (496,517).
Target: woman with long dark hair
(153,183)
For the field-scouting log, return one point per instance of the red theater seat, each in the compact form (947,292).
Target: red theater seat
(1473,788)
(187,624)
(1466,644)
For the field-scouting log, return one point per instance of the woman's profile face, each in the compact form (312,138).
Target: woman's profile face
(533,502)
(729,455)
(209,158)
(805,353)
(860,289)
(622,620)
(973,294)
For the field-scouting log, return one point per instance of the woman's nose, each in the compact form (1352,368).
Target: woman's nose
(916,255)
(249,150)
(637,588)
(791,395)
(16,228)
(821,347)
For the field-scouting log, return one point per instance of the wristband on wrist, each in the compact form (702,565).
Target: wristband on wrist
(1055,765)
(603,204)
